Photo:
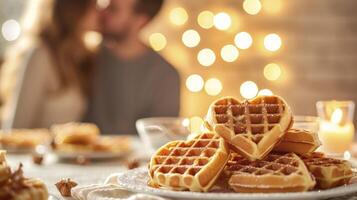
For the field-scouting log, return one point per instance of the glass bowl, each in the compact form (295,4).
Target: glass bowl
(157,131)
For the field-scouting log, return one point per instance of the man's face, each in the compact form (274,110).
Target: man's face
(118,19)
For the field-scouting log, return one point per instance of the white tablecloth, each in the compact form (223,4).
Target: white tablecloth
(52,170)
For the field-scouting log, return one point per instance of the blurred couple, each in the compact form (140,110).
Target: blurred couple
(50,76)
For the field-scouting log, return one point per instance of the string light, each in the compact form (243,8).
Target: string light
(252,7)
(213,87)
(157,41)
(194,83)
(265,92)
(272,42)
(178,16)
(229,53)
(92,39)
(103,4)
(243,40)
(206,57)
(191,38)
(11,30)
(248,89)
(206,19)
(272,72)
(222,21)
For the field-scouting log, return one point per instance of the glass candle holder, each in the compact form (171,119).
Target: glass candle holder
(336,125)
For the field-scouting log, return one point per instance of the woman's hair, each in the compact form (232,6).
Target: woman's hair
(54,24)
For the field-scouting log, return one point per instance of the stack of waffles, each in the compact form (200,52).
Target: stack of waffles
(250,146)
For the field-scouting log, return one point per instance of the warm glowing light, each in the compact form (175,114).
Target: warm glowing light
(206,19)
(186,122)
(194,83)
(252,7)
(191,38)
(265,92)
(243,40)
(222,21)
(229,53)
(347,155)
(196,124)
(336,116)
(103,4)
(272,6)
(11,30)
(272,42)
(157,41)
(92,39)
(206,57)
(213,87)
(249,89)
(178,16)
(272,72)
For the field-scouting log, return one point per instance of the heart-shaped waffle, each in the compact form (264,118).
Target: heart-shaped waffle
(329,172)
(189,165)
(252,127)
(275,173)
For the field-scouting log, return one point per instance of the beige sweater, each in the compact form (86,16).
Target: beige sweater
(37,100)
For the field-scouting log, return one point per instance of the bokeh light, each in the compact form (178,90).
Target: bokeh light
(272,42)
(196,124)
(194,83)
(213,87)
(206,19)
(248,89)
(157,41)
(92,39)
(272,6)
(229,53)
(178,16)
(103,4)
(252,7)
(272,71)
(222,21)
(243,40)
(191,38)
(206,57)
(11,30)
(265,92)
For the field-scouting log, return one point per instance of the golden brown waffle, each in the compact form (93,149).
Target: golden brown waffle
(189,165)
(275,173)
(75,133)
(26,139)
(5,171)
(298,141)
(252,127)
(329,172)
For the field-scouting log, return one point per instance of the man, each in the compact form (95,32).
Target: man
(131,81)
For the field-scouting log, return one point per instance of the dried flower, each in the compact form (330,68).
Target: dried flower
(64,186)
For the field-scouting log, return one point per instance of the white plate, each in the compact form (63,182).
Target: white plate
(90,155)
(136,181)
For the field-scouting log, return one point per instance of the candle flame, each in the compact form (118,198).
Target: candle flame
(336,117)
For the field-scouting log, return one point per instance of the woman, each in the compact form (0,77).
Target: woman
(45,75)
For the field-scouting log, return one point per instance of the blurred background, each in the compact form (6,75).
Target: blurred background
(302,50)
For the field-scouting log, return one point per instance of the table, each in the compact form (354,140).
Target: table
(52,171)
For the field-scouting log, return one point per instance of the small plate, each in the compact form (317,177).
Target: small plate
(136,181)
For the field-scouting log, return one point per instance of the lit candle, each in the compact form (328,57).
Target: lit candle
(336,137)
